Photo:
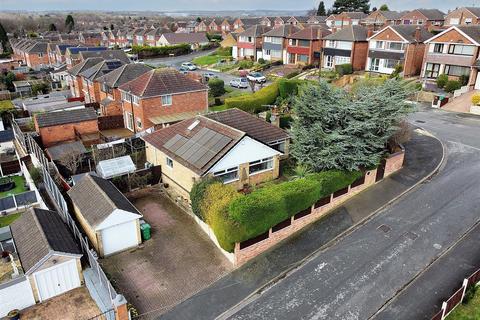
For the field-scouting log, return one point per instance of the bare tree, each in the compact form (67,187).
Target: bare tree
(71,161)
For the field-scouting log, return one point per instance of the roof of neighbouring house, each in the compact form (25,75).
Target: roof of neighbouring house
(84,65)
(432,14)
(56,118)
(196,143)
(474,10)
(37,233)
(253,126)
(159,82)
(124,74)
(102,68)
(408,32)
(312,32)
(349,33)
(77,50)
(282,31)
(181,37)
(6,135)
(38,47)
(255,31)
(106,54)
(59,151)
(96,199)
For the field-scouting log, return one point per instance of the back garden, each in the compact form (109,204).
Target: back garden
(336,137)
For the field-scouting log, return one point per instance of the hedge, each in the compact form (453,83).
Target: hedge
(198,193)
(289,87)
(146,51)
(344,69)
(452,85)
(217,87)
(255,103)
(442,80)
(235,217)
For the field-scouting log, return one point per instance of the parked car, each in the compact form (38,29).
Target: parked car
(183,70)
(190,66)
(240,83)
(256,77)
(210,75)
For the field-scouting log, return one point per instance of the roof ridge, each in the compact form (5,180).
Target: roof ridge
(222,124)
(40,228)
(148,82)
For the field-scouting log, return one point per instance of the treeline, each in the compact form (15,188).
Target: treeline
(153,52)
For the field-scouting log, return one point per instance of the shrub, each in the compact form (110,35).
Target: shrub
(469,294)
(235,217)
(396,72)
(344,69)
(288,87)
(254,103)
(261,61)
(442,80)
(197,193)
(452,85)
(245,64)
(476,99)
(225,52)
(464,79)
(217,87)
(36,175)
(286,122)
(146,51)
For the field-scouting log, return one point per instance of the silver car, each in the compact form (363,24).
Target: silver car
(241,83)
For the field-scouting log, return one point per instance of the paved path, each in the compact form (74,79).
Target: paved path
(423,156)
(356,276)
(461,103)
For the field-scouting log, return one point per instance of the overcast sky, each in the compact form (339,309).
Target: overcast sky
(170,5)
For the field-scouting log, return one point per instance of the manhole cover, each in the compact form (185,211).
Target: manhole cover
(420,121)
(411,235)
(384,228)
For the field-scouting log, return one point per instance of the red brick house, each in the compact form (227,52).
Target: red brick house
(344,19)
(463,16)
(397,45)
(346,46)
(154,35)
(36,56)
(453,52)
(90,87)
(305,46)
(379,19)
(431,18)
(226,26)
(160,97)
(62,126)
(110,96)
(245,23)
(75,80)
(91,38)
(250,42)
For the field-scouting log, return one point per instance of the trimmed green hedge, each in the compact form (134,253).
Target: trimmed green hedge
(343,69)
(289,87)
(146,51)
(236,218)
(255,103)
(198,193)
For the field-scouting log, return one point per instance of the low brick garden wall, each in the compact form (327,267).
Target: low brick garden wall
(251,248)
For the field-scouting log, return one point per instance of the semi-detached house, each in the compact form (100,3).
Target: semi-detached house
(161,97)
(275,42)
(463,16)
(397,45)
(250,42)
(305,46)
(347,46)
(453,52)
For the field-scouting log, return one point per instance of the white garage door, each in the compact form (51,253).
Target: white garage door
(57,279)
(119,237)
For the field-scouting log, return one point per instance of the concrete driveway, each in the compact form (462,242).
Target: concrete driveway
(175,263)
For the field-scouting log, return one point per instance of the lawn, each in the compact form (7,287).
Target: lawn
(19,186)
(6,105)
(208,60)
(229,93)
(469,311)
(7,220)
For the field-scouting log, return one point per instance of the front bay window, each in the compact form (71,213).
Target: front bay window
(227,175)
(432,70)
(260,165)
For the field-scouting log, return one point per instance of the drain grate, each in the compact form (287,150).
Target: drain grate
(410,235)
(385,228)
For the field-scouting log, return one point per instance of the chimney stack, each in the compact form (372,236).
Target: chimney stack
(369,31)
(418,34)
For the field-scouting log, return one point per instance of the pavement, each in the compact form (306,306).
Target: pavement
(174,264)
(366,268)
(241,288)
(461,103)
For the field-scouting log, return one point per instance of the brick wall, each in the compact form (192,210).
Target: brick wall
(55,134)
(413,59)
(34,61)
(461,14)
(184,102)
(359,55)
(316,212)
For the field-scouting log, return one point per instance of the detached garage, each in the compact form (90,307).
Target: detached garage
(110,221)
(49,255)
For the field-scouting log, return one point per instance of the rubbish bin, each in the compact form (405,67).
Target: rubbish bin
(145,229)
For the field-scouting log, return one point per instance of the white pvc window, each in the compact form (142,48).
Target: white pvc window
(227,175)
(259,166)
(169,162)
(167,100)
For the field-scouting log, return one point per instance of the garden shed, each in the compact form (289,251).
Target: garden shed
(110,221)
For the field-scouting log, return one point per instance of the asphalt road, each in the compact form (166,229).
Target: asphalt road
(356,276)
(176,61)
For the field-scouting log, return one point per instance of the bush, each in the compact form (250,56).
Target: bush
(235,217)
(217,87)
(464,79)
(146,52)
(287,88)
(476,99)
(36,175)
(225,52)
(469,294)
(442,80)
(261,61)
(255,103)
(286,122)
(396,72)
(197,193)
(245,64)
(344,69)
(452,85)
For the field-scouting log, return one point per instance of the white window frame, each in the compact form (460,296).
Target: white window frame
(168,97)
(169,162)
(129,122)
(221,173)
(259,162)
